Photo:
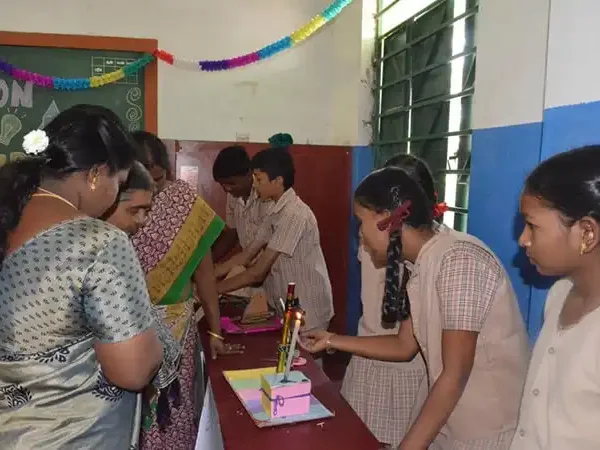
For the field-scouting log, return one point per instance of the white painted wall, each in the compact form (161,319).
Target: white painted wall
(511,43)
(573,62)
(312,91)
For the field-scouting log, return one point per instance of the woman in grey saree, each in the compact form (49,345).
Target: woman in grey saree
(77,336)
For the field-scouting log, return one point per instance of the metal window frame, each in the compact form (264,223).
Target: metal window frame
(378,90)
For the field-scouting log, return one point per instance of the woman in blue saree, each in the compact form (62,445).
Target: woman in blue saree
(77,336)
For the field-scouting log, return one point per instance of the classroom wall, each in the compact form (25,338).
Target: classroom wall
(536,95)
(313,91)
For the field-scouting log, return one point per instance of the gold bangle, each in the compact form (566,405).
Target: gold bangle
(215,335)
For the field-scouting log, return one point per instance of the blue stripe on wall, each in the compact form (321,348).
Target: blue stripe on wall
(565,128)
(501,159)
(363,163)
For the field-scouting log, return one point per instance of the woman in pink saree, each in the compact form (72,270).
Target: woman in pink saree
(173,244)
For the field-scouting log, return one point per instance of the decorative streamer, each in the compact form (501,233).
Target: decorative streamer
(301,34)
(76,84)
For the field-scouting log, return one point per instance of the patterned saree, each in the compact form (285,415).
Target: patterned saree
(179,232)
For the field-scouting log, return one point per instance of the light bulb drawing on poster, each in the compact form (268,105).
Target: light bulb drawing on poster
(10,126)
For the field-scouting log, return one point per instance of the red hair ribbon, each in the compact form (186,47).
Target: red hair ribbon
(397,218)
(439,209)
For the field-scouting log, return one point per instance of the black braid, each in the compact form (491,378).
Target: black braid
(396,305)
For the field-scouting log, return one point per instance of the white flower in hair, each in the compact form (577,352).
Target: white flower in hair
(35,142)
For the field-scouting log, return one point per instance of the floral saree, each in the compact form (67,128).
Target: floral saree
(179,232)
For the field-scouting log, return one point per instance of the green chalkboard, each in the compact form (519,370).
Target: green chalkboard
(24,107)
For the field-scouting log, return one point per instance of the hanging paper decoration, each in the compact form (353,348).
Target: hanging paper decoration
(301,34)
(75,84)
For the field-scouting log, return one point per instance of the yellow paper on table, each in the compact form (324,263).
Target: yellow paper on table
(248,373)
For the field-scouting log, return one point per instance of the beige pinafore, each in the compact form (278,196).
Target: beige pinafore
(486,415)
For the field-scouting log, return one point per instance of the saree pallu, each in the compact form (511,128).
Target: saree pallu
(180,231)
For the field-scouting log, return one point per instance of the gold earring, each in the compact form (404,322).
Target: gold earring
(93,183)
(582,248)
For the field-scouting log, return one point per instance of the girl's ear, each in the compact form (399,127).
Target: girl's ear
(590,234)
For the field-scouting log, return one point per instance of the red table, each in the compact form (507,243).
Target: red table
(344,431)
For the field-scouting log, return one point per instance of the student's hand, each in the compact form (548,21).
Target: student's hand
(221,270)
(407,444)
(411,447)
(220,347)
(315,341)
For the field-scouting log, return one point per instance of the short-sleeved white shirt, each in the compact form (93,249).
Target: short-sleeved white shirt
(291,229)
(561,402)
(245,216)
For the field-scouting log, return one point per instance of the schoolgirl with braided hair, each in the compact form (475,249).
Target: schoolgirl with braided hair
(455,305)
(383,393)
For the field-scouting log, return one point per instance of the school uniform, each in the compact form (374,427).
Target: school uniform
(245,216)
(290,228)
(456,283)
(382,393)
(560,409)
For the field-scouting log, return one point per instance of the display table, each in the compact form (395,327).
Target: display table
(224,411)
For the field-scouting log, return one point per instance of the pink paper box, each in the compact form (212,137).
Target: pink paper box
(285,398)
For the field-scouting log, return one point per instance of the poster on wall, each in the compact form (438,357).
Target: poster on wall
(190,174)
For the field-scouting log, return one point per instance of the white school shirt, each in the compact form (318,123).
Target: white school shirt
(561,402)
(290,228)
(246,216)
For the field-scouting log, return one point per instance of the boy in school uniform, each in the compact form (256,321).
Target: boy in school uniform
(244,210)
(290,244)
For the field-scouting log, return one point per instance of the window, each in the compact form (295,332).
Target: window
(425,67)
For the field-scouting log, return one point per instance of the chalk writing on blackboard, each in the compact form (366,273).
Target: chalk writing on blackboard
(102,65)
(16,94)
(134,112)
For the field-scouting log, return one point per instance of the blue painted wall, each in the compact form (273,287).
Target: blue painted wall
(363,163)
(501,159)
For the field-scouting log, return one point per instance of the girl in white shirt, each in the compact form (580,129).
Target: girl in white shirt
(561,401)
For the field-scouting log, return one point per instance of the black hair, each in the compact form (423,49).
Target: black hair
(150,143)
(231,162)
(276,162)
(417,169)
(80,138)
(386,190)
(139,179)
(569,183)
(281,140)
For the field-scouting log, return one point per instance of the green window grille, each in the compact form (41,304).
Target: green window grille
(424,69)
